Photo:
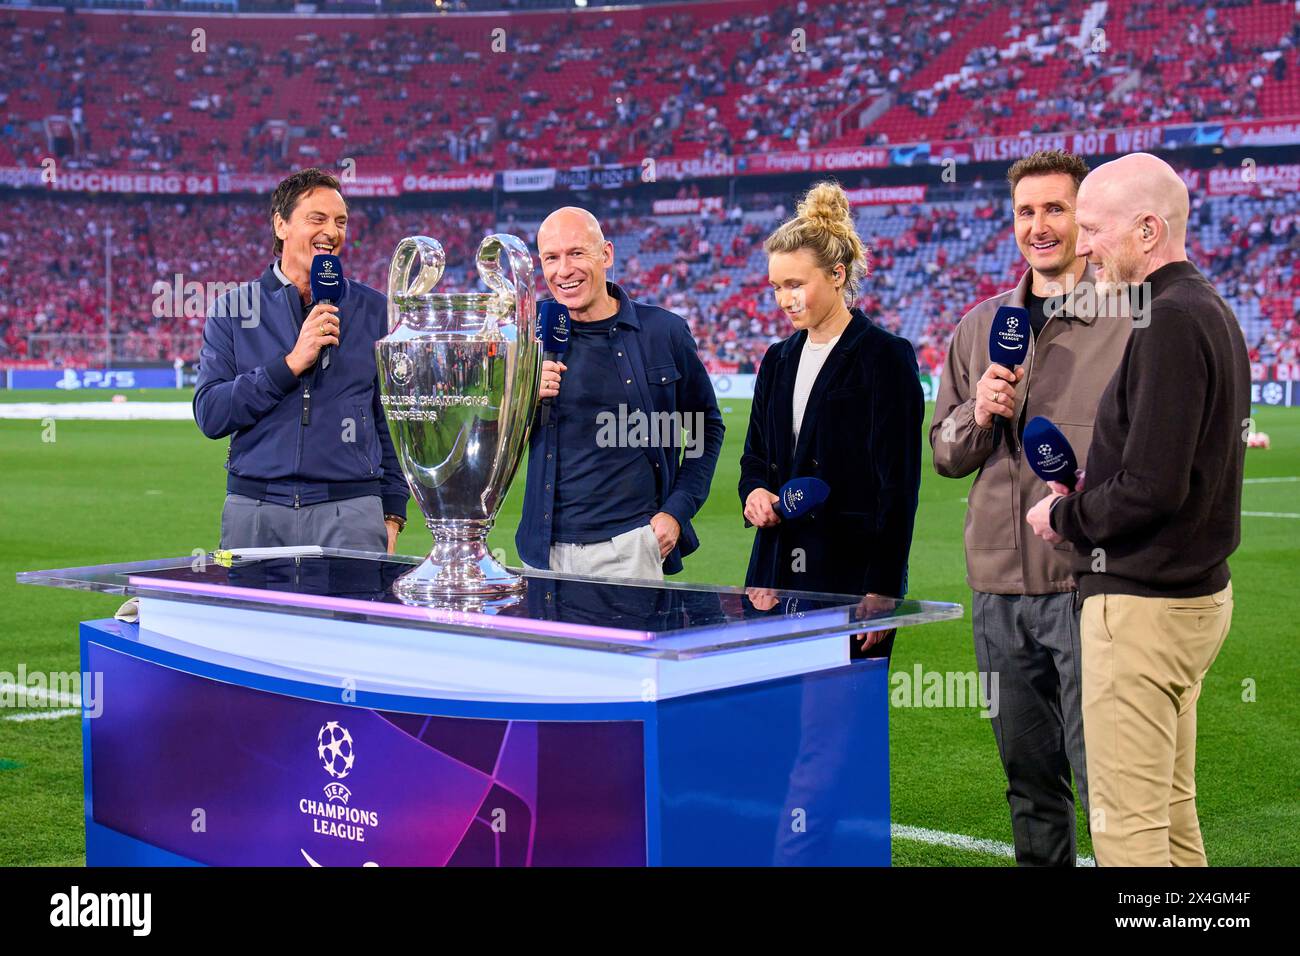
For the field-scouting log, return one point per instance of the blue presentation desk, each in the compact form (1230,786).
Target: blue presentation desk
(291,712)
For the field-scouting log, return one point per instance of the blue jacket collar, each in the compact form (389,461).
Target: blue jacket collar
(271,278)
(626,307)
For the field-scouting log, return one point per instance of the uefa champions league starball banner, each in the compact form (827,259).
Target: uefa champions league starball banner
(232,775)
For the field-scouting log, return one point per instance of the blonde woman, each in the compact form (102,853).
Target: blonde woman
(839,400)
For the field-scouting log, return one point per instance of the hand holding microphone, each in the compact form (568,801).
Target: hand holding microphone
(1008,348)
(551,374)
(319,331)
(553,325)
(1052,459)
(797,497)
(758,508)
(326,289)
(995,394)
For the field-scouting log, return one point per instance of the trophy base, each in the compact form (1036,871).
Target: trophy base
(457,568)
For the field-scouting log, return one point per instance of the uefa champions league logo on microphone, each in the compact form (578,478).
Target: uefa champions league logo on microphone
(792,497)
(334,747)
(1011,337)
(1048,459)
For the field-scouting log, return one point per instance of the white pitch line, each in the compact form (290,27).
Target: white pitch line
(43,715)
(40,695)
(1270,481)
(959,841)
(99,411)
(1270,514)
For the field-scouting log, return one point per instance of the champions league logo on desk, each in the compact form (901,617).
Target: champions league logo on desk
(333,817)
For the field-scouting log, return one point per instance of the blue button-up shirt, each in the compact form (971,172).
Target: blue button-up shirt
(657,362)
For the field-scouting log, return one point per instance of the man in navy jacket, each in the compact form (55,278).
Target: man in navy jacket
(625,461)
(311,461)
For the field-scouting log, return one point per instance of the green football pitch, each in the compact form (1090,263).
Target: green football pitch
(92,492)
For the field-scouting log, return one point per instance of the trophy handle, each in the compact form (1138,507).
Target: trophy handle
(432,262)
(515,289)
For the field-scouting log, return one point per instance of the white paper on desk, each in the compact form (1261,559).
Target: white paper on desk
(254,554)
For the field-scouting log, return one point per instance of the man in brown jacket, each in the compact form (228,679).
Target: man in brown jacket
(1024,614)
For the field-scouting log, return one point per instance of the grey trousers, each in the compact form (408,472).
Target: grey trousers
(632,554)
(355,523)
(1032,643)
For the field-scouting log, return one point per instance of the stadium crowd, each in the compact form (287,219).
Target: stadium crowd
(930,263)
(1056,67)
(440,94)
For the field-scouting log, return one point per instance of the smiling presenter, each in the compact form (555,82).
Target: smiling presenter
(619,509)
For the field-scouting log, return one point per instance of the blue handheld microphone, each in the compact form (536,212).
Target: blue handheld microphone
(326,286)
(553,326)
(1008,346)
(1049,452)
(1009,336)
(800,496)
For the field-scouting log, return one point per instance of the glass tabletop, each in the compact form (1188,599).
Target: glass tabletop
(652,618)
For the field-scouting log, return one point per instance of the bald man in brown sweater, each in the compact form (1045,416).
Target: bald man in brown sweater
(1154,519)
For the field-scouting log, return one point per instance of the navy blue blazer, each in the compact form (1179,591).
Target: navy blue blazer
(246,390)
(861,434)
(657,358)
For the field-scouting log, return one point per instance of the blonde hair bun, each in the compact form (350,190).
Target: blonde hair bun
(827,203)
(823,224)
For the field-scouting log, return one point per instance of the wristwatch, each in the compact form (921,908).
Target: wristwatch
(401,522)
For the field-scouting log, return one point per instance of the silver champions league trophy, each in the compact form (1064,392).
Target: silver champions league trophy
(458,377)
